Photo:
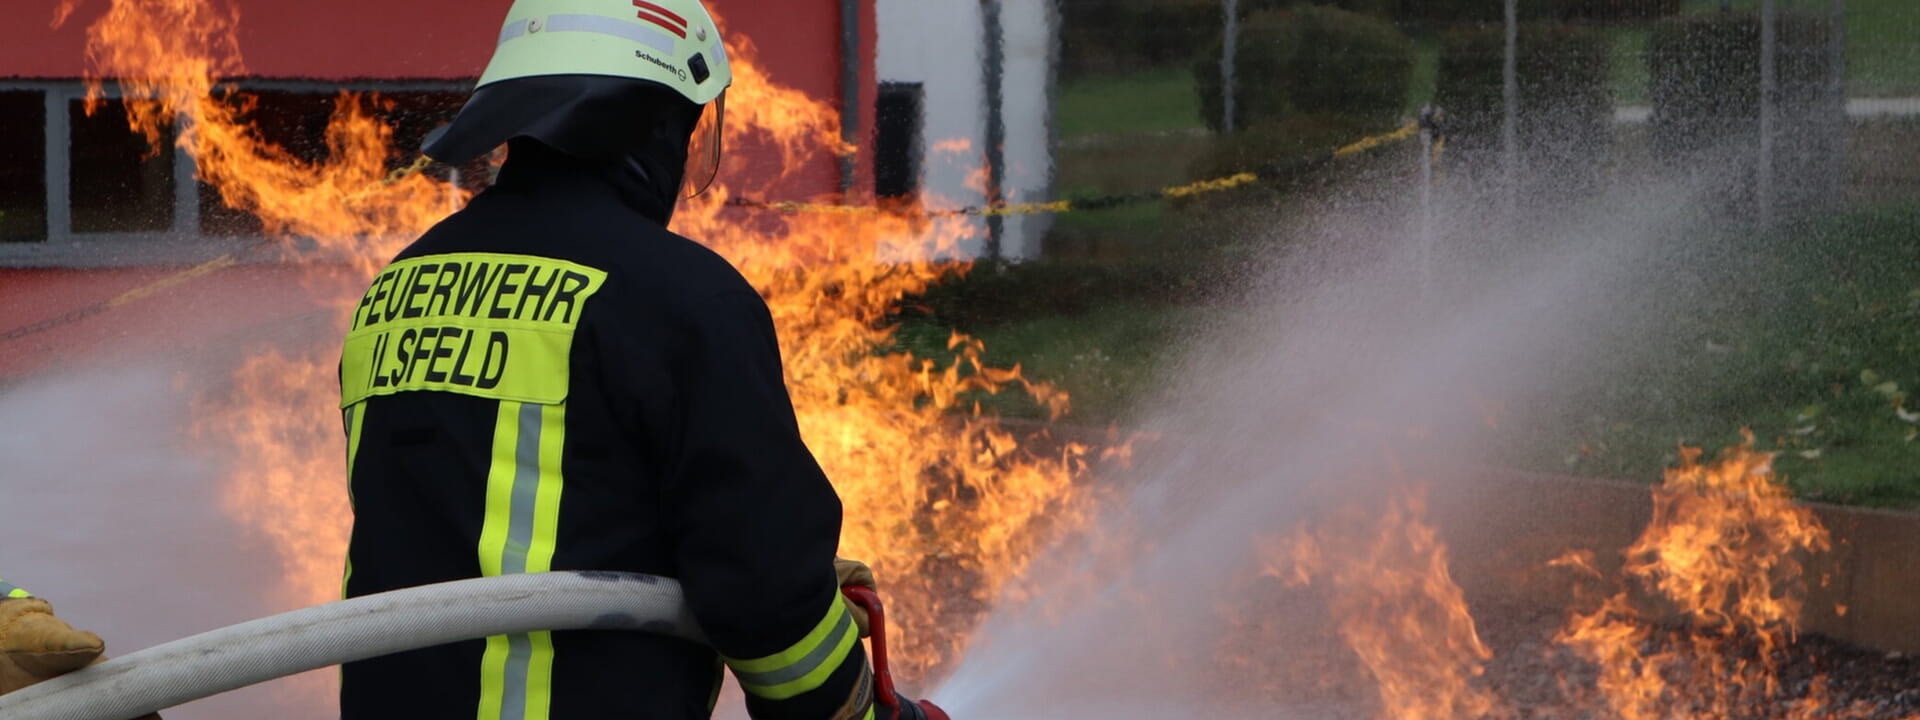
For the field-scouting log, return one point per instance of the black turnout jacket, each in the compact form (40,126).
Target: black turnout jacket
(550,380)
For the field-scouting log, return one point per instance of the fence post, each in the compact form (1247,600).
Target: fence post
(1231,8)
(1763,195)
(1426,202)
(995,62)
(1509,124)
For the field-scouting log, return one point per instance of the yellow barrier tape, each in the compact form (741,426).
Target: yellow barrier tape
(1057,206)
(1365,144)
(219,263)
(1208,186)
(1061,206)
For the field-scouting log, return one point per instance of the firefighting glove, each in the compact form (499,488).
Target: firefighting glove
(36,645)
(852,573)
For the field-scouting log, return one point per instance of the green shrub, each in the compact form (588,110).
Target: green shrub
(1378,8)
(1495,11)
(1482,11)
(1706,102)
(1114,36)
(1314,60)
(1564,111)
(1619,9)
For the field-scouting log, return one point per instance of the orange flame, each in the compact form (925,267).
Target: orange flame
(946,506)
(1722,553)
(1388,587)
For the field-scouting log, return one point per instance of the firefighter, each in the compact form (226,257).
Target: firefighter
(549,379)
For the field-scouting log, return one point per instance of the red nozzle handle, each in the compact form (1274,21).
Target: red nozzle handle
(866,599)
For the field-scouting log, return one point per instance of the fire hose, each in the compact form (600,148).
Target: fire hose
(237,656)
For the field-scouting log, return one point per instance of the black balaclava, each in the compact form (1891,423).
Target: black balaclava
(631,133)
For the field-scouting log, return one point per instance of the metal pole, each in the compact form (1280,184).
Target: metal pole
(995,59)
(850,57)
(1836,111)
(1229,43)
(1763,195)
(1426,213)
(59,170)
(186,187)
(1509,124)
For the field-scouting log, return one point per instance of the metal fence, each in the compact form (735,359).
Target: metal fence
(1814,104)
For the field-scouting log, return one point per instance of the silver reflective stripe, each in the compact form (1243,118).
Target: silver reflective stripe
(603,25)
(805,665)
(513,698)
(10,590)
(512,30)
(526,491)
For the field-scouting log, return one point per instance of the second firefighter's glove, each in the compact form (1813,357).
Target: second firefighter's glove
(36,646)
(855,573)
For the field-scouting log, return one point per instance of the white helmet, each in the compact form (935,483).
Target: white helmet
(595,78)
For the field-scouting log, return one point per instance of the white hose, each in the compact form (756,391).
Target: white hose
(233,657)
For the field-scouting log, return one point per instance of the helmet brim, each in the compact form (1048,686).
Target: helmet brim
(587,116)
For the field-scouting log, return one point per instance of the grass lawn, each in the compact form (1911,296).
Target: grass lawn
(1816,349)
(1104,358)
(1155,101)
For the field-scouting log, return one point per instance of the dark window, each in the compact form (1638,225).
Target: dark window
(896,142)
(120,183)
(23,166)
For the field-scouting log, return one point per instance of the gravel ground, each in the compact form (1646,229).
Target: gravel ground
(1294,658)
(1858,684)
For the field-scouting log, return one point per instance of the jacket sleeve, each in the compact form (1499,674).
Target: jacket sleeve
(757,523)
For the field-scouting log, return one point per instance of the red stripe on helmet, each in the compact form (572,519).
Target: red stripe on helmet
(662,12)
(662,22)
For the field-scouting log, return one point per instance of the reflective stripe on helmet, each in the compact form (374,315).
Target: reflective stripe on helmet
(598,24)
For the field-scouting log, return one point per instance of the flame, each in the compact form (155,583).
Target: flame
(943,502)
(1722,553)
(1385,578)
(1714,588)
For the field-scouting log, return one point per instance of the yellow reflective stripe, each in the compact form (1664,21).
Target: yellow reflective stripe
(493,677)
(500,471)
(17,593)
(519,534)
(806,664)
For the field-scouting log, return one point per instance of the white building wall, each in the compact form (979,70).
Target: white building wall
(939,44)
(1026,103)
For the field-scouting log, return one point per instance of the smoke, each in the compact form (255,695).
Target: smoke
(1366,355)
(110,511)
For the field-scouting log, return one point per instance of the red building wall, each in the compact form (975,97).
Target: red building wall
(799,43)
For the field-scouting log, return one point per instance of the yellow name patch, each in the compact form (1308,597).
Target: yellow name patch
(484,324)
